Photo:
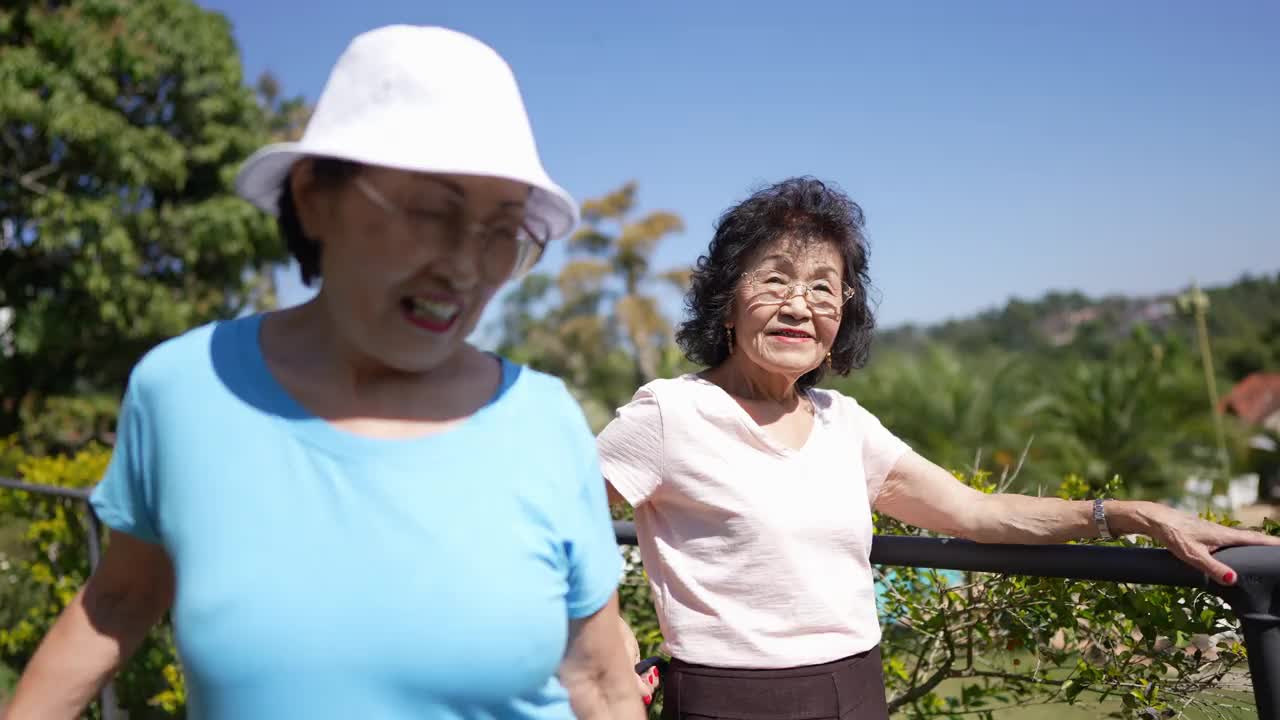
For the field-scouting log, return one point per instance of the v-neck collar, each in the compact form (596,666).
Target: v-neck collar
(759,432)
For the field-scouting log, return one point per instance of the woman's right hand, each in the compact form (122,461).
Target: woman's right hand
(99,630)
(646,681)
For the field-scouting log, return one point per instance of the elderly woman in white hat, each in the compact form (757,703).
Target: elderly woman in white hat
(349,510)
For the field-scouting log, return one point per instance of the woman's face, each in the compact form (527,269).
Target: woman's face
(409,260)
(787,307)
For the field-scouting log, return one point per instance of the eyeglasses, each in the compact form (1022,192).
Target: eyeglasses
(508,248)
(770,287)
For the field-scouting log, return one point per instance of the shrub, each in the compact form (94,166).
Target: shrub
(40,580)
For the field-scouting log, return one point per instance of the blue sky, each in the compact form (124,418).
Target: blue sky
(999,149)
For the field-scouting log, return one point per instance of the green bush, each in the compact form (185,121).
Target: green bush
(52,564)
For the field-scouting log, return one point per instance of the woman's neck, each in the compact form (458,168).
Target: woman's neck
(742,378)
(311,350)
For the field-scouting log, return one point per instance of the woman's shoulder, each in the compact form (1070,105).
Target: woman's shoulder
(837,404)
(675,388)
(185,358)
(527,390)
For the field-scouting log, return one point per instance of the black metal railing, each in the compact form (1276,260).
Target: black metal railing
(1255,598)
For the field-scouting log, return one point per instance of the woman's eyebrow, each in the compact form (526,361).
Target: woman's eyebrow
(460,195)
(452,186)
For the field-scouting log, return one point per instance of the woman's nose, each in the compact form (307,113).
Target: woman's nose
(797,304)
(463,257)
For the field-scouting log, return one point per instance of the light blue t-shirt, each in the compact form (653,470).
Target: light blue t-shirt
(322,574)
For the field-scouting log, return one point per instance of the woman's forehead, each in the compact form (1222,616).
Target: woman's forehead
(490,191)
(800,253)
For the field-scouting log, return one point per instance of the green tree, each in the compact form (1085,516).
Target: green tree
(957,409)
(1140,414)
(122,124)
(286,117)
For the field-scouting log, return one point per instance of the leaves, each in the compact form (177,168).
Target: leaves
(122,123)
(612,206)
(1021,640)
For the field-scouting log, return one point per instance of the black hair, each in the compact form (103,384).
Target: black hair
(327,172)
(804,210)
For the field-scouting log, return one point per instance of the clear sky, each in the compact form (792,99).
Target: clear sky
(999,149)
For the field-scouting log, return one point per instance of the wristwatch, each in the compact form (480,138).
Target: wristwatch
(1100,519)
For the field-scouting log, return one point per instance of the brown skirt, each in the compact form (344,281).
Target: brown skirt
(848,689)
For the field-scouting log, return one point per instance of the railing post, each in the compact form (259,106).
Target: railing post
(1255,598)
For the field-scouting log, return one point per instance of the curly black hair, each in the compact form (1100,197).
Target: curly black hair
(804,210)
(328,172)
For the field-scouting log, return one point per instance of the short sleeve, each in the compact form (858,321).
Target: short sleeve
(595,562)
(881,449)
(125,498)
(631,448)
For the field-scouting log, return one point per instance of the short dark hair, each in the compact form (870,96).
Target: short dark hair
(328,172)
(804,210)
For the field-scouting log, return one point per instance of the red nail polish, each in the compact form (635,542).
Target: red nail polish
(1230,577)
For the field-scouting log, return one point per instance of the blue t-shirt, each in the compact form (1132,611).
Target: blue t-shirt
(322,574)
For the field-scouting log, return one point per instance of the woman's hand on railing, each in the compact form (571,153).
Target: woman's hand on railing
(1192,539)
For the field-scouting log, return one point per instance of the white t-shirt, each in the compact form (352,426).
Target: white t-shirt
(758,554)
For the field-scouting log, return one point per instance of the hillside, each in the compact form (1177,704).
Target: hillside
(1243,320)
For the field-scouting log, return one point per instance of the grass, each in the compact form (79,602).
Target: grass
(1086,709)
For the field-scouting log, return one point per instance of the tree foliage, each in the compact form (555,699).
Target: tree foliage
(122,124)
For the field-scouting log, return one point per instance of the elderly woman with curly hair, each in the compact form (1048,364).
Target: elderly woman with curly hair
(753,490)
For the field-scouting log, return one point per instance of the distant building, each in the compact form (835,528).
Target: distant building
(1256,400)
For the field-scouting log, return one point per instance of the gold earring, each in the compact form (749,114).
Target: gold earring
(828,359)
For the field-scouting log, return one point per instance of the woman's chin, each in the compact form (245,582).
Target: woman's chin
(787,364)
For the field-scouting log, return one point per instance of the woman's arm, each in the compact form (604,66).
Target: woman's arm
(596,670)
(920,493)
(99,630)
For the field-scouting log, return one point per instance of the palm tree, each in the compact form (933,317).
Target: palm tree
(612,246)
(955,408)
(1139,415)
(598,323)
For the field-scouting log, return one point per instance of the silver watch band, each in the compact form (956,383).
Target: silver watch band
(1100,519)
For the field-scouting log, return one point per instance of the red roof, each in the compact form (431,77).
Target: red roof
(1254,398)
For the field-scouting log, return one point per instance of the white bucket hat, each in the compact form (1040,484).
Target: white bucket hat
(422,99)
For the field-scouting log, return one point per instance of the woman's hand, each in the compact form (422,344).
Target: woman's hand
(920,493)
(1190,538)
(646,681)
